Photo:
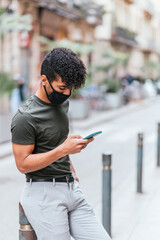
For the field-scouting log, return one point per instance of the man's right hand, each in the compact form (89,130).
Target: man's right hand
(26,161)
(74,144)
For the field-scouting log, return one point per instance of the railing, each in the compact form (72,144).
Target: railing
(123,33)
(74,10)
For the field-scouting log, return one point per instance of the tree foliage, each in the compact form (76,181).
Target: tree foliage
(6,83)
(14,22)
(112,62)
(78,48)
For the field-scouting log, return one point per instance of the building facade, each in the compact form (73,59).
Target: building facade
(129,26)
(132,26)
(55,20)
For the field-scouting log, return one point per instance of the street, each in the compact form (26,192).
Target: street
(120,138)
(102,57)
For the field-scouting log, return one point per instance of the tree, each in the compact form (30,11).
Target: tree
(151,69)
(113,61)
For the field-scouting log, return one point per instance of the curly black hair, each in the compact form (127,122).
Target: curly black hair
(64,63)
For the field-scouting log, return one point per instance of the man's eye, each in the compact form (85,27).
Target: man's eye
(62,88)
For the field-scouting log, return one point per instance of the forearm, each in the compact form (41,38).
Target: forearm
(34,162)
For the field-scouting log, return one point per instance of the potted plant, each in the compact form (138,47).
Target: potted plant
(79,106)
(6,87)
(112,62)
(113,93)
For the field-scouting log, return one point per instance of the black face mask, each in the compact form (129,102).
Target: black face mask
(56,97)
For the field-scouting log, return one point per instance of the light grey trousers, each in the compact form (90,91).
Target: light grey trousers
(58,211)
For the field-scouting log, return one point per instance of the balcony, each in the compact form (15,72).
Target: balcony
(86,10)
(123,36)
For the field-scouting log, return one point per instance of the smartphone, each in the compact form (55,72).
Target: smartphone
(92,135)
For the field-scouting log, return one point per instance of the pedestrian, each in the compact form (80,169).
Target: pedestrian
(52,198)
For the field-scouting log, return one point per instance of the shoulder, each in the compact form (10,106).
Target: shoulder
(28,105)
(23,128)
(22,118)
(24,113)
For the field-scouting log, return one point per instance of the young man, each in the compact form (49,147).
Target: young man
(52,198)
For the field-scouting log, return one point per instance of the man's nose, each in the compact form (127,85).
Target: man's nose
(67,91)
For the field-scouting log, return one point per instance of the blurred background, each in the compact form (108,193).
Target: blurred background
(119,42)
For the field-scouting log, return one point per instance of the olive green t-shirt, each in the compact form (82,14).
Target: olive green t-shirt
(46,126)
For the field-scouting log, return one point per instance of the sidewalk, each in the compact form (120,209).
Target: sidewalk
(134,216)
(5,149)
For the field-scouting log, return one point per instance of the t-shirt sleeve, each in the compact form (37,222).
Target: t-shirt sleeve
(23,129)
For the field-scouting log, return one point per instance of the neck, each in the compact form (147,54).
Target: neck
(40,93)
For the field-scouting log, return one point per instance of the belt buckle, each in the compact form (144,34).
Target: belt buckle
(69,179)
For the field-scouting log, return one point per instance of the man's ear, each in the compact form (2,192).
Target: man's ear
(44,80)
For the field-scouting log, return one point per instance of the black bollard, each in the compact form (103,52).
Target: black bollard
(139,162)
(158,146)
(26,231)
(106,192)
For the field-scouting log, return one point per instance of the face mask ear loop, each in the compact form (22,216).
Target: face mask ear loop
(46,91)
(51,85)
